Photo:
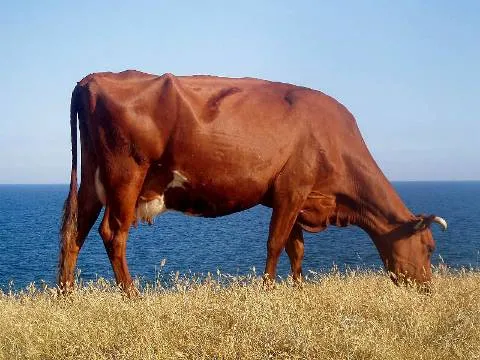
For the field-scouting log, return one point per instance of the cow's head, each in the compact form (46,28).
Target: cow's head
(406,251)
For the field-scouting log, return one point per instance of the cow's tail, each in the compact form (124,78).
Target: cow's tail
(68,230)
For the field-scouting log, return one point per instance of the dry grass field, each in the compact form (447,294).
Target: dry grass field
(358,315)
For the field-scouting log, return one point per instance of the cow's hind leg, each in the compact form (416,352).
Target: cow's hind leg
(88,209)
(118,217)
(295,251)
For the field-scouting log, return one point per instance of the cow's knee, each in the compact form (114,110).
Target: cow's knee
(106,233)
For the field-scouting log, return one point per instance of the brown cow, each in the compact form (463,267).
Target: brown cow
(211,146)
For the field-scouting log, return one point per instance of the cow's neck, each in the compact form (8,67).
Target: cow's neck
(371,203)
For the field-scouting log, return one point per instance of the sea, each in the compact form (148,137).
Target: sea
(235,244)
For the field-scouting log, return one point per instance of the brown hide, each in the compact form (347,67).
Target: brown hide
(211,146)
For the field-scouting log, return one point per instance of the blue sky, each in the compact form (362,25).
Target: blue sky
(408,71)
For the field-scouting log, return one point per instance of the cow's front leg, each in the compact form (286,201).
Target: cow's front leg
(295,251)
(284,215)
(290,190)
(280,227)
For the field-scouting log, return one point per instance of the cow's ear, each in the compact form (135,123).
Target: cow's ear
(419,225)
(423,222)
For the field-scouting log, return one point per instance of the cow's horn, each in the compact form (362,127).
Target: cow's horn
(440,221)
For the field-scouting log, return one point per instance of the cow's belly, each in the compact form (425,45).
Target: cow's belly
(207,197)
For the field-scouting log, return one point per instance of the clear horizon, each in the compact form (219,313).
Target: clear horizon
(407,71)
(392,181)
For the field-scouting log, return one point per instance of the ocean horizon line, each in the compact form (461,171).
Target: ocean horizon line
(392,181)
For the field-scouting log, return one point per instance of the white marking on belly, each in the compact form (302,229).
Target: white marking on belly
(99,188)
(147,210)
(179,181)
